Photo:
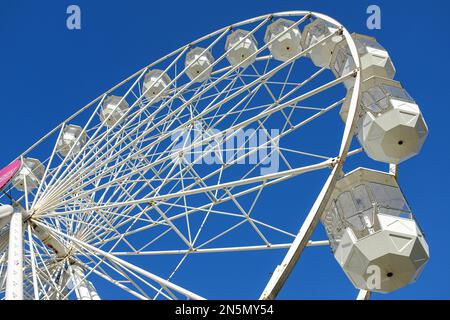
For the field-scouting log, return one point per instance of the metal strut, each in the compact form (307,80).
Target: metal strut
(85,290)
(14,280)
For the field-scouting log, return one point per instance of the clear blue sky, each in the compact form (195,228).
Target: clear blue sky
(47,72)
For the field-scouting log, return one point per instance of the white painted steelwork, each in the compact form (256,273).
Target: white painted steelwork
(145,184)
(14,277)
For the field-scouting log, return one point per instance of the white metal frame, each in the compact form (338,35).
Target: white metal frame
(99,187)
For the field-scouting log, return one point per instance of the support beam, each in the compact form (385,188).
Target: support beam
(84,289)
(14,280)
(282,272)
(222,250)
(363,295)
(393,169)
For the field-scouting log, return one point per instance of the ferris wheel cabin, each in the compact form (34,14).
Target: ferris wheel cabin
(198,64)
(29,175)
(241,48)
(372,229)
(285,39)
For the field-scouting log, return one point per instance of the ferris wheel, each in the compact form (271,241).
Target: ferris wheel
(172,163)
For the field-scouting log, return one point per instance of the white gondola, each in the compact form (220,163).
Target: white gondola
(315,32)
(375,60)
(241,46)
(30,174)
(391,127)
(198,64)
(373,233)
(156,83)
(113,110)
(287,45)
(72,136)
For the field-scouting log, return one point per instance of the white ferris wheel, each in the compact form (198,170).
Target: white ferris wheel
(173,160)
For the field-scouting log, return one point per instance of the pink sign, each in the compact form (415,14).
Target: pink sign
(8,172)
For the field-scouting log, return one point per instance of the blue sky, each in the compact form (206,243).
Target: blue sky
(47,72)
